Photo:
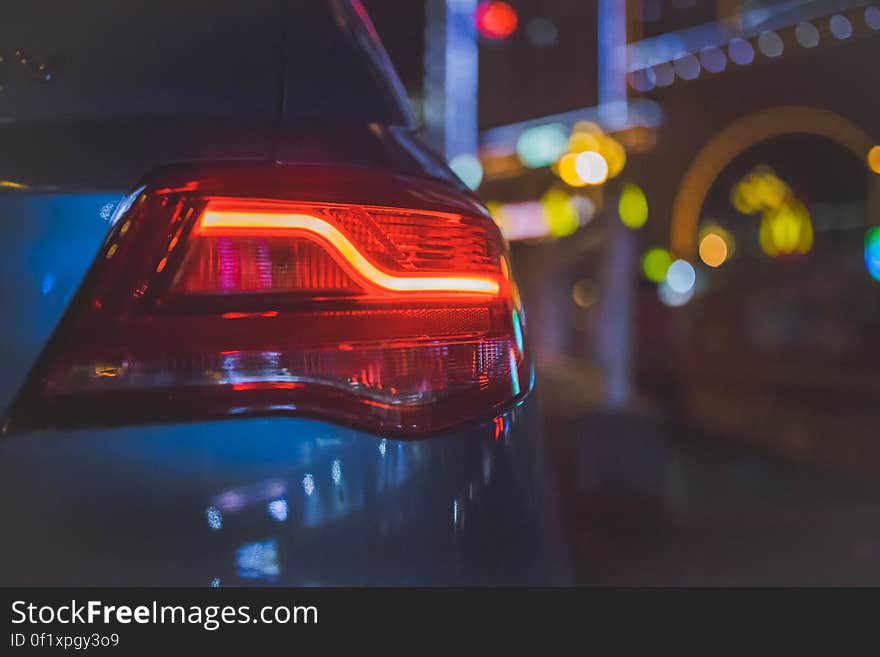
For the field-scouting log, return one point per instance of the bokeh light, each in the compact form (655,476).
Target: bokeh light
(655,264)
(560,212)
(567,171)
(740,52)
(716,245)
(807,35)
(591,167)
(759,190)
(874,159)
(672,298)
(542,32)
(632,206)
(587,136)
(840,27)
(214,517)
(713,250)
(542,145)
(872,18)
(520,221)
(583,293)
(786,229)
(643,80)
(664,74)
(496,20)
(278,509)
(583,141)
(554,214)
(687,67)
(681,277)
(468,168)
(614,154)
(713,59)
(770,44)
(872,253)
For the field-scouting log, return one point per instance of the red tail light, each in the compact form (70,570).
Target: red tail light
(357,296)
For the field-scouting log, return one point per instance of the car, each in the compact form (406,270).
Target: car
(255,331)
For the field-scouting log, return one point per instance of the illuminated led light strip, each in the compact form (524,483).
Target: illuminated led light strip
(216,221)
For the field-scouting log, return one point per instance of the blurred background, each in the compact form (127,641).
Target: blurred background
(691,191)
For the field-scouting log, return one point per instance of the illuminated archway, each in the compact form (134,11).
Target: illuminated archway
(734,140)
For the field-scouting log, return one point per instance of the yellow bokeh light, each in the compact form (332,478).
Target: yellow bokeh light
(713,250)
(874,159)
(786,229)
(582,141)
(568,172)
(560,213)
(614,153)
(770,189)
(758,191)
(743,199)
(494,208)
(611,150)
(632,206)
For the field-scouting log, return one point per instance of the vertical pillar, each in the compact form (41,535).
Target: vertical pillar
(611,21)
(616,278)
(617,283)
(451,76)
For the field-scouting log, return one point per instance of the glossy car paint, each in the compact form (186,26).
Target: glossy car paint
(290,501)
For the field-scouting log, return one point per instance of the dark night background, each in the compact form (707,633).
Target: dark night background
(747,449)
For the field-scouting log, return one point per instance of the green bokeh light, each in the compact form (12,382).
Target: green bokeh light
(655,264)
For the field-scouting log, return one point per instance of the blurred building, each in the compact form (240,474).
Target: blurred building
(690,188)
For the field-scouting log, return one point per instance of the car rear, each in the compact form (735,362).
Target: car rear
(255,331)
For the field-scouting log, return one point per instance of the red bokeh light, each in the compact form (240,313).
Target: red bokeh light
(496,20)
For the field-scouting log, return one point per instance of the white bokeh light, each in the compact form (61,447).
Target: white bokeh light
(681,277)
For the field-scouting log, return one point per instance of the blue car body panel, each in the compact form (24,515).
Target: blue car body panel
(49,242)
(277,501)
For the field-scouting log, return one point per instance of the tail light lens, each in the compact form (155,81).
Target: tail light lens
(361,297)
